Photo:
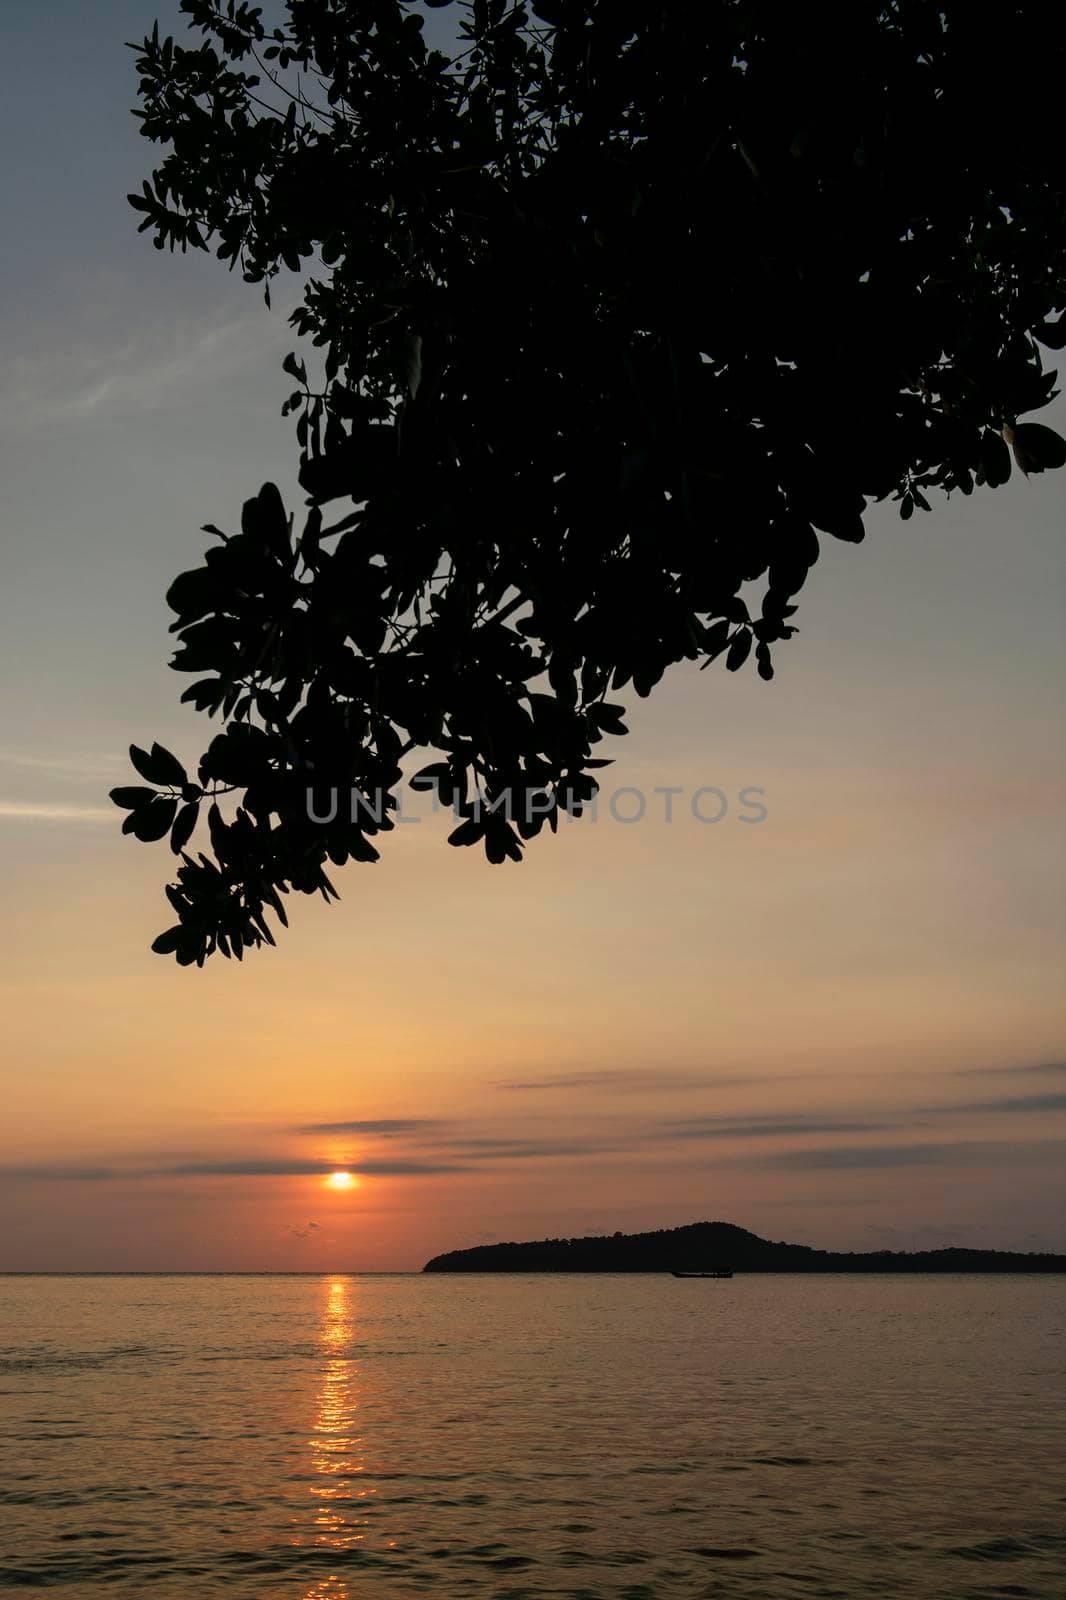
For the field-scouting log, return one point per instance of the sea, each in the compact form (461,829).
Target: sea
(365,1437)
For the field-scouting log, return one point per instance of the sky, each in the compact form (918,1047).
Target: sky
(840,1025)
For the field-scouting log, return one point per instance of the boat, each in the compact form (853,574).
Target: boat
(726,1273)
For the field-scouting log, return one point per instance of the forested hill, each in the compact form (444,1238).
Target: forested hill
(711,1246)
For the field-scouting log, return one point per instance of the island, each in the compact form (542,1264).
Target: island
(721,1246)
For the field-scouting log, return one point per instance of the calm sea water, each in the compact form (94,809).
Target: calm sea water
(341,1438)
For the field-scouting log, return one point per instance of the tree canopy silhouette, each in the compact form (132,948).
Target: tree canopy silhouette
(621,305)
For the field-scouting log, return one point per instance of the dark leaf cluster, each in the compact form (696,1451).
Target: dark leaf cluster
(621,308)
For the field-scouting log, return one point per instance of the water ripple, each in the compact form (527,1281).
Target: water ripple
(518,1439)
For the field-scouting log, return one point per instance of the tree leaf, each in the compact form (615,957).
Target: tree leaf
(184,823)
(1053,334)
(1037,447)
(159,766)
(468,832)
(169,767)
(739,651)
(154,821)
(994,466)
(132,799)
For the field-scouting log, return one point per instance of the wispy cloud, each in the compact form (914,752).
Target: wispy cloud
(858,1157)
(769,1127)
(63,770)
(52,811)
(387,1127)
(61,1174)
(285,1167)
(537,1149)
(414,1147)
(456,1141)
(1010,1103)
(282,1167)
(1025,1068)
(635,1080)
(76,764)
(81,377)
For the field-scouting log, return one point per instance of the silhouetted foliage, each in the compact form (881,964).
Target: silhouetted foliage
(700,1245)
(620,308)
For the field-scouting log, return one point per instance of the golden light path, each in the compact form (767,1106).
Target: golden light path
(340,1519)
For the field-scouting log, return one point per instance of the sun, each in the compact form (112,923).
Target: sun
(340,1180)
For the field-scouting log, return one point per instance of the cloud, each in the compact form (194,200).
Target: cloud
(50,811)
(242,1168)
(525,1149)
(122,374)
(635,1080)
(858,1157)
(83,764)
(1017,1102)
(386,1126)
(414,1147)
(288,1168)
(63,1174)
(64,770)
(768,1127)
(999,1072)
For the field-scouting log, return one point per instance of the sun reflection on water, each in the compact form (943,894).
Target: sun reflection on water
(342,1500)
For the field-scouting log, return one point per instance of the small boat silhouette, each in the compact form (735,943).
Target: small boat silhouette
(724,1273)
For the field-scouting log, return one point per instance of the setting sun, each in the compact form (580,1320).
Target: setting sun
(340,1180)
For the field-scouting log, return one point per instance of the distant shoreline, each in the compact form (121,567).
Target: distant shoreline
(1022,1270)
(702,1247)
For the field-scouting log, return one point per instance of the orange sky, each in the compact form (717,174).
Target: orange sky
(840,1025)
